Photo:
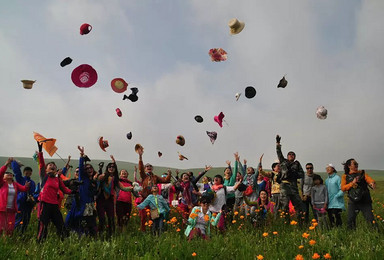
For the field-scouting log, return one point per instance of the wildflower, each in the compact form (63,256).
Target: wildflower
(150,222)
(173,220)
(134,214)
(275,232)
(293,223)
(315,256)
(305,235)
(197,210)
(194,254)
(312,242)
(206,218)
(241,216)
(299,257)
(260,257)
(327,256)
(236,213)
(233,221)
(301,246)
(314,220)
(178,230)
(146,223)
(193,215)
(314,224)
(311,228)
(21,222)
(214,214)
(265,234)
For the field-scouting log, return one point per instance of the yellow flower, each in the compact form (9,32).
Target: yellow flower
(194,254)
(327,256)
(305,235)
(275,232)
(299,257)
(301,246)
(312,242)
(260,257)
(293,222)
(233,221)
(236,213)
(134,214)
(265,234)
(315,256)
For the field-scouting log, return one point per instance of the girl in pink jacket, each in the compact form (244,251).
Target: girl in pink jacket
(8,196)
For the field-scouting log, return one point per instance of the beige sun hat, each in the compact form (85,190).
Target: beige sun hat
(235,26)
(27,84)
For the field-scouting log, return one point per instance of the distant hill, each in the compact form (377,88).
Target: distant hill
(129,166)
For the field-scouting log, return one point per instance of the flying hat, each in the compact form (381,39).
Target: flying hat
(219,119)
(199,119)
(235,26)
(85,28)
(103,143)
(182,157)
(159,153)
(237,96)
(129,135)
(218,54)
(133,96)
(321,112)
(118,112)
(137,147)
(119,85)
(212,136)
(250,92)
(283,83)
(66,62)
(27,84)
(180,140)
(84,76)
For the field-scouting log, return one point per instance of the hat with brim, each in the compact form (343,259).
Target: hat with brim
(321,112)
(84,76)
(250,92)
(282,83)
(27,84)
(180,140)
(137,147)
(119,85)
(103,143)
(235,26)
(219,119)
(129,135)
(199,119)
(331,165)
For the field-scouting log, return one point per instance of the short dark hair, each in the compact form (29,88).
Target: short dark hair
(318,177)
(27,168)
(311,164)
(220,177)
(274,165)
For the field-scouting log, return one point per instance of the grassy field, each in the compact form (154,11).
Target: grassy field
(278,239)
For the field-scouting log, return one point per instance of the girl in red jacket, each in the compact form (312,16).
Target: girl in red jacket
(8,196)
(49,209)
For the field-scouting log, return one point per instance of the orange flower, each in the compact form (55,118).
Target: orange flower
(236,213)
(311,228)
(327,256)
(178,230)
(305,235)
(233,221)
(150,222)
(265,234)
(206,218)
(21,222)
(275,232)
(301,246)
(241,217)
(197,210)
(134,214)
(312,242)
(299,257)
(214,214)
(315,256)
(194,254)
(193,216)
(260,257)
(314,220)
(293,223)
(314,224)
(173,220)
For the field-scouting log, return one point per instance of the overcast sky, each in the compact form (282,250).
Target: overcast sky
(330,50)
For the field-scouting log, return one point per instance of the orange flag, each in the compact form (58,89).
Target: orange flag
(48,143)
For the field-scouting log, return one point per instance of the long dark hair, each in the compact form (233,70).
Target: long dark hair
(220,177)
(259,199)
(347,164)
